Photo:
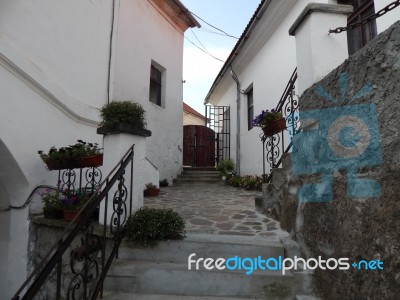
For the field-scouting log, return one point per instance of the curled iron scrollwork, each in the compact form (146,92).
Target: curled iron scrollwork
(84,265)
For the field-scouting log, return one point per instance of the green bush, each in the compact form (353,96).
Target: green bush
(149,225)
(125,112)
(226,167)
(248,182)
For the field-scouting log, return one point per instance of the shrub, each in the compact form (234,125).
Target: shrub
(149,225)
(225,167)
(125,112)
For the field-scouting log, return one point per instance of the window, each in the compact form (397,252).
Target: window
(360,36)
(250,108)
(155,85)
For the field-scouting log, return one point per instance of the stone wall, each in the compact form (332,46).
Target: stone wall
(361,218)
(43,233)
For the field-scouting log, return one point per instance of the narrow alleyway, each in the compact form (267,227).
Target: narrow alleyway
(216,209)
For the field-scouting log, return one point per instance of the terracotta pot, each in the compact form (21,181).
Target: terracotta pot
(151,193)
(91,161)
(274,127)
(69,215)
(53,213)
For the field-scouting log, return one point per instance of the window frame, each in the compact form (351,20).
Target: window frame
(157,84)
(358,37)
(250,107)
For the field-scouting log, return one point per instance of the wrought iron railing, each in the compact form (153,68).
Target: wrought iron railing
(87,264)
(274,146)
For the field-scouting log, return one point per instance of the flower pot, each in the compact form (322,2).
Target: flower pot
(60,165)
(151,192)
(91,161)
(223,177)
(69,215)
(274,127)
(53,213)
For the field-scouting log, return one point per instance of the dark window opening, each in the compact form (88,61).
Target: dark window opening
(360,36)
(250,109)
(155,86)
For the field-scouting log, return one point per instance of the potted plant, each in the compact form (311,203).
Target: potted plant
(151,190)
(52,206)
(164,183)
(271,122)
(80,155)
(123,116)
(225,168)
(72,204)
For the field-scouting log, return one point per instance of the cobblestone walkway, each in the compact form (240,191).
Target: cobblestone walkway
(216,209)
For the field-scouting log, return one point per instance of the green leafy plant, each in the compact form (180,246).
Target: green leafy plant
(164,182)
(149,225)
(248,182)
(226,167)
(266,117)
(150,186)
(75,200)
(73,152)
(51,199)
(125,112)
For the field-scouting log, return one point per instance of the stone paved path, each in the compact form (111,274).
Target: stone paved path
(216,209)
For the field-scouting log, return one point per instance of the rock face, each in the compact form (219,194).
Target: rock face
(359,217)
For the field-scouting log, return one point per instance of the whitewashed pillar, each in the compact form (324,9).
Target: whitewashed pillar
(115,147)
(318,52)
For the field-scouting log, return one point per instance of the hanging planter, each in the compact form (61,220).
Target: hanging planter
(274,127)
(90,161)
(271,122)
(80,155)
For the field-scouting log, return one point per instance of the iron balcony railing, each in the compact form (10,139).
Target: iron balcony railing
(274,146)
(88,262)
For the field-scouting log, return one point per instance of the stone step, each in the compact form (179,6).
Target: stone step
(196,169)
(199,179)
(129,296)
(200,173)
(204,245)
(168,278)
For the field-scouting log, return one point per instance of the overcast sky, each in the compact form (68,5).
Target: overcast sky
(199,69)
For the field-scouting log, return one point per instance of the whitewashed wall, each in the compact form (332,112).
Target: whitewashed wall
(139,42)
(189,119)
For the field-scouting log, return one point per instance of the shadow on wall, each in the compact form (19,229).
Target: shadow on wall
(13,191)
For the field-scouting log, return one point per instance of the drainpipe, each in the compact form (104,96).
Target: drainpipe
(236,79)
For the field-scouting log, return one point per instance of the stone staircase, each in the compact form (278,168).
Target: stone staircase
(162,272)
(197,175)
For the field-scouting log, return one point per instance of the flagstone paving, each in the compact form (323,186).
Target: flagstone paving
(216,209)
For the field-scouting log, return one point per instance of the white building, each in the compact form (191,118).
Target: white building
(192,116)
(266,56)
(60,61)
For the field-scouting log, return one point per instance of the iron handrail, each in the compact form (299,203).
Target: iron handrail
(290,108)
(53,257)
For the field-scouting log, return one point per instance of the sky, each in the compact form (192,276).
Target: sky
(200,69)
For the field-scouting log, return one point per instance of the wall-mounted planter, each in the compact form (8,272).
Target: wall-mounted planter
(86,162)
(123,128)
